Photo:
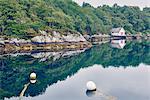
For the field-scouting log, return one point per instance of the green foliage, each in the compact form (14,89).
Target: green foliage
(17,16)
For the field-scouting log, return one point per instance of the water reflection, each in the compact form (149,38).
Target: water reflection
(33,80)
(45,55)
(100,95)
(14,70)
(112,83)
(91,93)
(23,91)
(120,43)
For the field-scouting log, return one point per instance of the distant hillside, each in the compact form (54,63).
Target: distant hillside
(23,17)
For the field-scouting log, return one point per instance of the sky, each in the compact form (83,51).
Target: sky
(95,3)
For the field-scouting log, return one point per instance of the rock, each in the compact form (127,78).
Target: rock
(87,37)
(28,41)
(77,37)
(58,37)
(17,40)
(13,40)
(39,39)
(48,39)
(43,32)
(2,41)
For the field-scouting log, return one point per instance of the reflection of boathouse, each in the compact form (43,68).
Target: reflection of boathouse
(118,43)
(118,32)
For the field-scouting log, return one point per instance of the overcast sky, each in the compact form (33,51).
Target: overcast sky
(95,3)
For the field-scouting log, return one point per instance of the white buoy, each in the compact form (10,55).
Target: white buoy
(91,86)
(33,76)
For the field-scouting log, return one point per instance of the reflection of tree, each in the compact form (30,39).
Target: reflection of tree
(15,71)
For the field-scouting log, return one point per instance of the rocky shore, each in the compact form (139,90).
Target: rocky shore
(56,41)
(50,41)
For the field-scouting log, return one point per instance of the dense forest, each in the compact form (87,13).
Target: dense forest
(23,17)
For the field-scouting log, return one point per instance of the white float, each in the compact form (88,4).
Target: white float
(33,76)
(91,86)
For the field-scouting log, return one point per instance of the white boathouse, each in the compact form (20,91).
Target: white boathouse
(118,32)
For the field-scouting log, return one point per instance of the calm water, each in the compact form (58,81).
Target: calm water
(120,70)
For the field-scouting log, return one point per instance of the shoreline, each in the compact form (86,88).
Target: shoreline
(21,45)
(53,46)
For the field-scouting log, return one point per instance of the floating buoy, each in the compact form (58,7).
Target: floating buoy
(33,76)
(91,86)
